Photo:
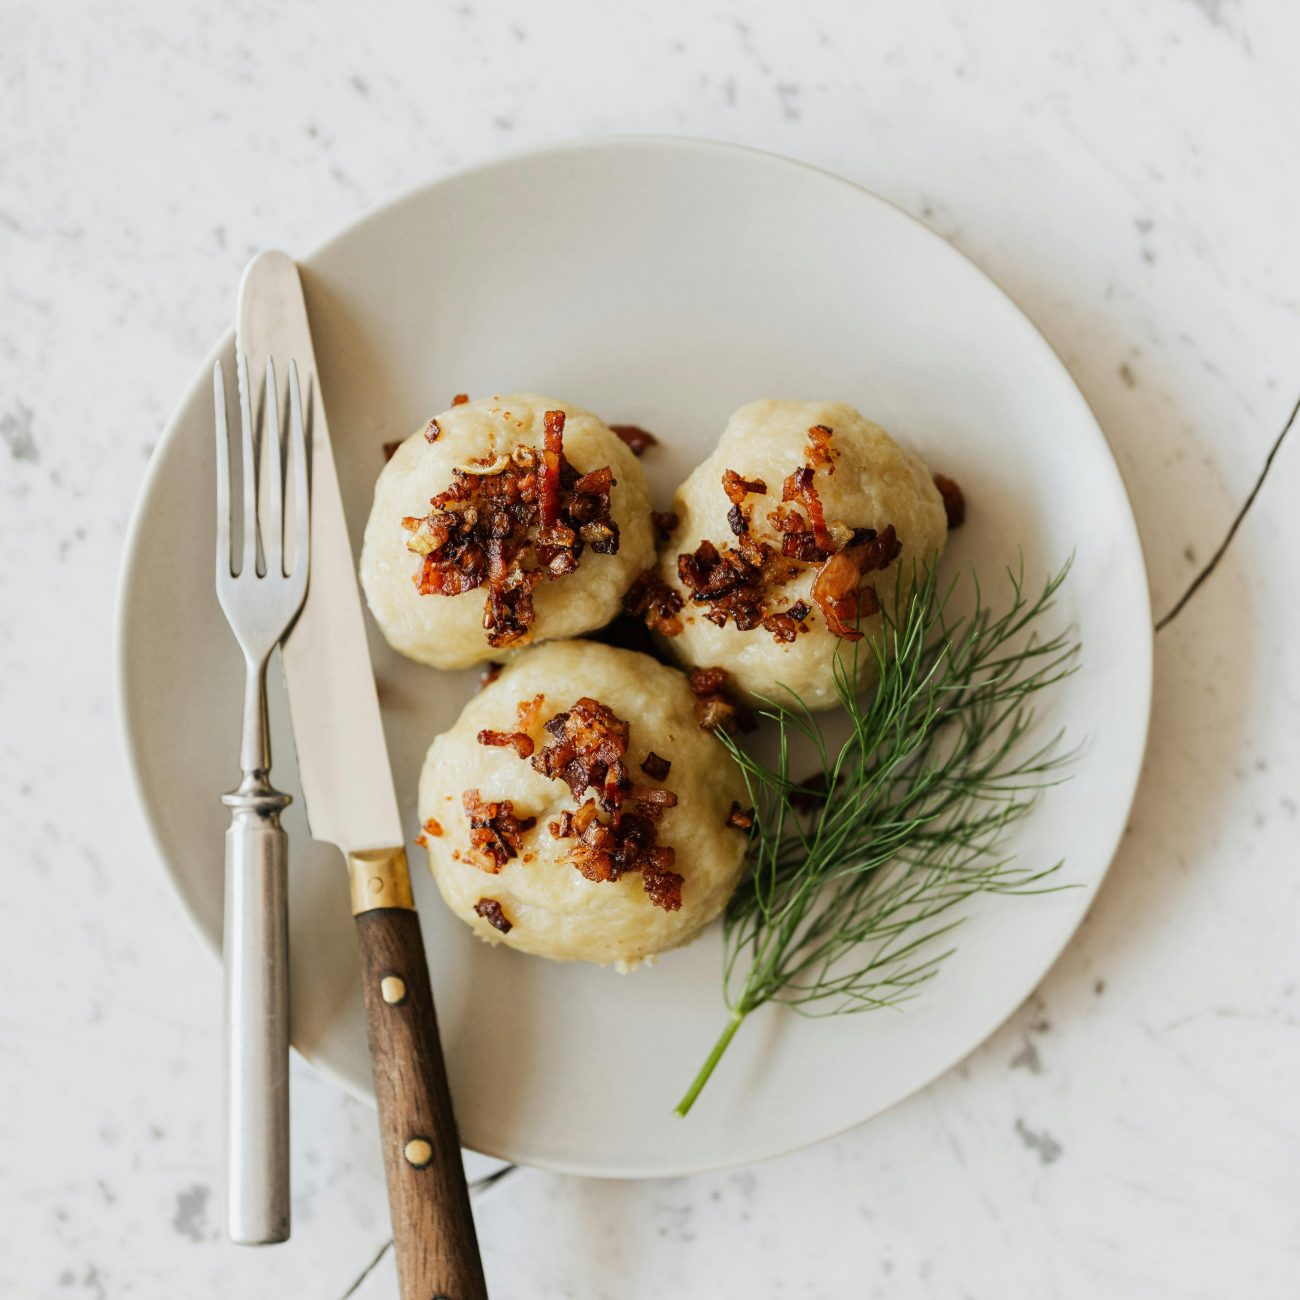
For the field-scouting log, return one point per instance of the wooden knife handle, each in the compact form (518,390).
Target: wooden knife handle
(433,1226)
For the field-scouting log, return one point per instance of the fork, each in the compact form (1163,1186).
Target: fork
(261,600)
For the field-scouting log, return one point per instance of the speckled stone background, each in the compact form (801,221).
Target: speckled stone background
(1127,169)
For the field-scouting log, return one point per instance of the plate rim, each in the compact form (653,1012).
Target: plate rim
(128,576)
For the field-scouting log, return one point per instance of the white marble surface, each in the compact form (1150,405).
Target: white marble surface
(1127,170)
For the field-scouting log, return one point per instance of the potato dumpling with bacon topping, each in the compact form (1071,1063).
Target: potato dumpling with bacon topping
(577,809)
(500,523)
(786,541)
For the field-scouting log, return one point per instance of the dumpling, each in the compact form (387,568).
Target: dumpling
(501,523)
(789,539)
(578,811)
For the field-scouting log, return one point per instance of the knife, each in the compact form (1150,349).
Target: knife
(347,787)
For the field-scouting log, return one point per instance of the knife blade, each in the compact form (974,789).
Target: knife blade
(347,783)
(347,786)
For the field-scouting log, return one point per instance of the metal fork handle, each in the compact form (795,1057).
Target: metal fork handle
(256,951)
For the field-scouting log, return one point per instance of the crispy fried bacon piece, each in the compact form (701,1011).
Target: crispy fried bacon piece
(638,440)
(840,588)
(587,750)
(740,818)
(738,488)
(510,523)
(433,826)
(786,626)
(432,431)
(715,708)
(730,581)
(799,486)
(652,599)
(490,910)
(516,740)
(664,522)
(819,452)
(954,500)
(495,834)
(460,399)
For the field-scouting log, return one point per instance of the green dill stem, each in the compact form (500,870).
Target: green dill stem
(734,1023)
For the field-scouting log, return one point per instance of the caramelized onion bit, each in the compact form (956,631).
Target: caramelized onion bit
(495,834)
(638,440)
(954,500)
(785,627)
(656,768)
(490,910)
(839,588)
(508,523)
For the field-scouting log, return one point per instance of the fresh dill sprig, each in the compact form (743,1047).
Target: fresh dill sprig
(843,905)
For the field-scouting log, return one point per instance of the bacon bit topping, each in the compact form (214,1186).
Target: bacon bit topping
(638,440)
(819,452)
(737,488)
(730,581)
(656,768)
(839,587)
(495,833)
(433,827)
(516,740)
(785,627)
(587,750)
(390,448)
(800,487)
(460,399)
(653,600)
(741,818)
(519,740)
(664,887)
(954,500)
(509,524)
(432,431)
(664,522)
(490,910)
(422,841)
(715,708)
(491,671)
(735,581)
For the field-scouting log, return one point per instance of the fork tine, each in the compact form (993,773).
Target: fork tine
(248,564)
(272,492)
(301,499)
(224,558)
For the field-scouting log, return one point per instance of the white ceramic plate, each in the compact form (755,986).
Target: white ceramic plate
(663,283)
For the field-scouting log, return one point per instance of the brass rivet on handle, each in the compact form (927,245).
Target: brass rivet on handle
(392,988)
(418,1152)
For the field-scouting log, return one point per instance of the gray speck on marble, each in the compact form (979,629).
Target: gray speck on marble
(1099,987)
(1127,375)
(191,1212)
(360,85)
(16,430)
(1048,1148)
(503,123)
(788,93)
(1028,1059)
